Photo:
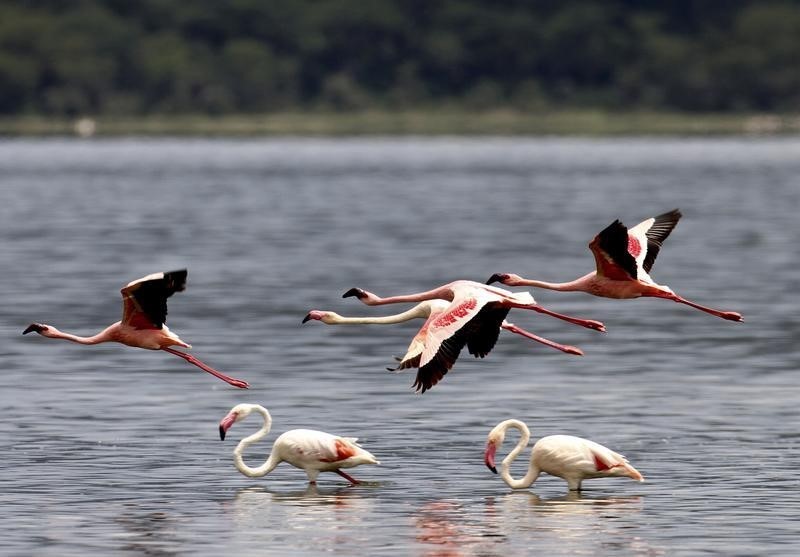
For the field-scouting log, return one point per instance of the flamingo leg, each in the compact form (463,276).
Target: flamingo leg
(729,315)
(588,323)
(192,360)
(347,477)
(527,334)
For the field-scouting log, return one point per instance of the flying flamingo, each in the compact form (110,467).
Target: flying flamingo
(624,258)
(469,297)
(143,325)
(307,449)
(572,458)
(441,337)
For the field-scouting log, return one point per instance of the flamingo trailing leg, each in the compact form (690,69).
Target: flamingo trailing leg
(143,324)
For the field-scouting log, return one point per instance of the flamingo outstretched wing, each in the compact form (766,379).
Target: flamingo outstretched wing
(650,235)
(145,300)
(470,320)
(628,254)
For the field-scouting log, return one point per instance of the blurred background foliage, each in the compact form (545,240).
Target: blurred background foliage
(122,57)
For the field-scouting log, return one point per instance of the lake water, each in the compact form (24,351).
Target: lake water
(112,450)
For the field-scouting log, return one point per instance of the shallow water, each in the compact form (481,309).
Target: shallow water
(112,450)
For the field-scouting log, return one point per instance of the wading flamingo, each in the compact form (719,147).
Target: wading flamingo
(573,459)
(624,258)
(143,325)
(435,348)
(310,450)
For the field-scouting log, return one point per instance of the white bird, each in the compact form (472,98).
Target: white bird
(308,449)
(572,458)
(479,334)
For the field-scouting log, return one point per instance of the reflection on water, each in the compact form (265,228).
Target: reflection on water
(314,516)
(579,519)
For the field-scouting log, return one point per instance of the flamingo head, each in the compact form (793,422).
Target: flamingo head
(44,330)
(503,278)
(493,440)
(236,414)
(357,292)
(317,315)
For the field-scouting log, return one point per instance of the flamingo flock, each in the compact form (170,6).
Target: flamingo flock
(459,314)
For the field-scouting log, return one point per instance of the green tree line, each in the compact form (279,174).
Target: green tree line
(129,57)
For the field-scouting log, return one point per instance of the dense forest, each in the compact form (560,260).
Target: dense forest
(123,57)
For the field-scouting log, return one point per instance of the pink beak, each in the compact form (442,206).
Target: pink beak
(488,456)
(226,424)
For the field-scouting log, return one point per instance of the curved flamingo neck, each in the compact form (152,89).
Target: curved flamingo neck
(271,462)
(505,468)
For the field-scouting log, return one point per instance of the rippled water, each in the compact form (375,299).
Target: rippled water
(112,450)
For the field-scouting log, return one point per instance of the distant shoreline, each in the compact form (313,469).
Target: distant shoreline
(431,122)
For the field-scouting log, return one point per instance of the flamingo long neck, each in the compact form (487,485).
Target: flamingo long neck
(421,310)
(505,466)
(444,292)
(577,285)
(106,335)
(271,462)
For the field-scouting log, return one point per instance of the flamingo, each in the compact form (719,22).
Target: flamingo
(479,334)
(572,458)
(143,325)
(307,449)
(469,297)
(624,258)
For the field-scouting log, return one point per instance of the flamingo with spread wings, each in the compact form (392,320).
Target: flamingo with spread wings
(143,324)
(479,335)
(624,258)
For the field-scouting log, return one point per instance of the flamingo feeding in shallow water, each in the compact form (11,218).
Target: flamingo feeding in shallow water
(624,258)
(439,341)
(143,324)
(572,458)
(307,449)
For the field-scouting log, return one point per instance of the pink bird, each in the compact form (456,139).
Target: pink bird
(624,258)
(572,458)
(307,449)
(143,325)
(438,343)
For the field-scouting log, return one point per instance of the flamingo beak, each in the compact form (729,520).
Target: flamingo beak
(497,277)
(34,327)
(307,318)
(357,292)
(488,456)
(226,424)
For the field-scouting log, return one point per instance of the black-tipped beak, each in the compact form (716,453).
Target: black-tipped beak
(488,457)
(497,277)
(357,292)
(307,318)
(225,424)
(34,327)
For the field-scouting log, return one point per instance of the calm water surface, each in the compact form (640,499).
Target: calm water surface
(111,450)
